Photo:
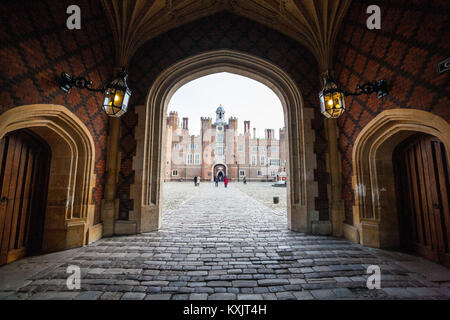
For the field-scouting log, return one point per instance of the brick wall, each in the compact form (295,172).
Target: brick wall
(36,46)
(221,31)
(414,37)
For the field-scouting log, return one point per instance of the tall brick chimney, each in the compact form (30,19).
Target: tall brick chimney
(270,134)
(185,123)
(246,127)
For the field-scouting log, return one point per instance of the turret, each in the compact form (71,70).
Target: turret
(233,125)
(173,119)
(220,115)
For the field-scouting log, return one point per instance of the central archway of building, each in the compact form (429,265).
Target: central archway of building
(301,163)
(220,171)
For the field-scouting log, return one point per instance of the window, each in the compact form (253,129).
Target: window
(253,160)
(262,149)
(241,173)
(262,160)
(175,173)
(272,173)
(274,162)
(219,151)
(189,158)
(197,159)
(255,149)
(176,146)
(274,149)
(240,147)
(220,137)
(259,173)
(194,146)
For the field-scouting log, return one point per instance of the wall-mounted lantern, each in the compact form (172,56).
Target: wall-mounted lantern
(332,98)
(116,93)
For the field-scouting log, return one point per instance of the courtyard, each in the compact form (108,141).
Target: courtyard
(221,243)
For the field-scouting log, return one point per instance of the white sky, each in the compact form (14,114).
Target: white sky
(241,97)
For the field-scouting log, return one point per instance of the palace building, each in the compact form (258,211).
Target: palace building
(220,151)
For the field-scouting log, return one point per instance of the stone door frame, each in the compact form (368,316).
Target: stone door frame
(69,215)
(375,211)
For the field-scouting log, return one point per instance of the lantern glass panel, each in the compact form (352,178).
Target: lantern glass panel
(118,98)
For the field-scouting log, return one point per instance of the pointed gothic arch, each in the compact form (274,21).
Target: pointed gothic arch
(374,211)
(302,189)
(69,216)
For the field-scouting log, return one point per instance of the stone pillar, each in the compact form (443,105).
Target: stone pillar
(334,165)
(110,204)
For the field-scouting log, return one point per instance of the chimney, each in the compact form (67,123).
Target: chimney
(254,133)
(185,123)
(246,127)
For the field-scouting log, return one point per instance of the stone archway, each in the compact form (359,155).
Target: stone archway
(69,215)
(219,169)
(375,212)
(150,136)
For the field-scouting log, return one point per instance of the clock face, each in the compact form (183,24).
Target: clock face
(219,128)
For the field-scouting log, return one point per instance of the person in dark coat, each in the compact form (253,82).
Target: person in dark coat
(216,180)
(195,181)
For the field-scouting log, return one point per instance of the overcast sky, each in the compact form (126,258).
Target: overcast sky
(241,97)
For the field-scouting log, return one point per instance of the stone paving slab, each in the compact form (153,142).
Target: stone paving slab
(218,244)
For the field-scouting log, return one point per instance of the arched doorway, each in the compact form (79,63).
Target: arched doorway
(69,210)
(302,189)
(220,171)
(422,185)
(375,213)
(25,165)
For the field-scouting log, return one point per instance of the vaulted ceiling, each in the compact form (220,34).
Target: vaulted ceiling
(314,23)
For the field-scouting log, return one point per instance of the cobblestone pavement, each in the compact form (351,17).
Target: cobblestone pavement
(217,244)
(264,193)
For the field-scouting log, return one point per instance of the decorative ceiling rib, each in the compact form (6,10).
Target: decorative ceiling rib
(314,23)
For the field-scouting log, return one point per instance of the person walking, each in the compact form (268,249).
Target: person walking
(195,181)
(245,180)
(225,181)
(198,181)
(216,180)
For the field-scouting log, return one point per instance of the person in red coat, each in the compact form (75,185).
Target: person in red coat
(225,181)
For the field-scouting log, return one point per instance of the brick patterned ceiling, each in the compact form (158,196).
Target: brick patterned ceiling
(314,23)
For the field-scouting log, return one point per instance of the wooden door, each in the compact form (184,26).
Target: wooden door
(422,182)
(24,171)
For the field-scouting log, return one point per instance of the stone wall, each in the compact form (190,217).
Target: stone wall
(405,52)
(36,46)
